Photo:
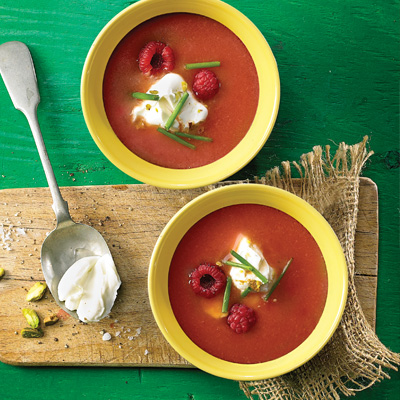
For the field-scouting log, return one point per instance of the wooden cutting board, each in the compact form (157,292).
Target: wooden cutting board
(130,217)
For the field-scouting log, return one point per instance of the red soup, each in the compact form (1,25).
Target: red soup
(292,311)
(193,39)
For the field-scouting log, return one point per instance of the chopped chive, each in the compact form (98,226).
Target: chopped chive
(240,258)
(145,96)
(207,64)
(250,268)
(189,135)
(266,297)
(238,265)
(176,111)
(254,270)
(227,293)
(246,292)
(176,138)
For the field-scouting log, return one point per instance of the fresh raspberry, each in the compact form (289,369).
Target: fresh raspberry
(207,280)
(205,84)
(241,318)
(156,57)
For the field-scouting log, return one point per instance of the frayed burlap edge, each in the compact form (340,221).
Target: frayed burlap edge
(354,358)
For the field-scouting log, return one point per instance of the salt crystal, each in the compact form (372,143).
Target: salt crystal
(138,331)
(146,352)
(118,333)
(106,336)
(21,231)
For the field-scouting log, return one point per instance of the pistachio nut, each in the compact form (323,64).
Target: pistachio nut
(2,272)
(31,317)
(36,292)
(32,333)
(50,320)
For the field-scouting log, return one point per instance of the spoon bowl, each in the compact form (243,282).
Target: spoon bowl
(65,245)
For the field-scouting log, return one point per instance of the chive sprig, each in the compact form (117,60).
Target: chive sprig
(273,287)
(246,292)
(244,264)
(227,294)
(196,137)
(176,138)
(176,111)
(207,64)
(145,96)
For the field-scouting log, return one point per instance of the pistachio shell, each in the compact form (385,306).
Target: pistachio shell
(36,292)
(32,333)
(50,320)
(31,317)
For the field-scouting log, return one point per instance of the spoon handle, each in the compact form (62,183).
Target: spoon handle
(18,72)
(60,206)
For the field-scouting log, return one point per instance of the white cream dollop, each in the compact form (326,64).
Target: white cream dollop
(90,287)
(241,278)
(170,89)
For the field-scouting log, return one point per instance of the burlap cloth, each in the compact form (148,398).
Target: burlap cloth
(354,358)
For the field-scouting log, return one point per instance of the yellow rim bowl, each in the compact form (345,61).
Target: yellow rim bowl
(244,194)
(102,133)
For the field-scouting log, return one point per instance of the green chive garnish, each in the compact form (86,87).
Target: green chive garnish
(227,293)
(176,138)
(246,292)
(240,258)
(250,268)
(189,135)
(145,96)
(208,64)
(254,270)
(177,110)
(266,297)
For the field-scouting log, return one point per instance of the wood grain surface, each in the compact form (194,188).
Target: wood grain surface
(130,217)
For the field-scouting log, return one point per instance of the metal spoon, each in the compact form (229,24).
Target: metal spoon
(69,241)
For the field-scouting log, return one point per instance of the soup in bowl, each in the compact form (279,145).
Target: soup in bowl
(247,282)
(201,63)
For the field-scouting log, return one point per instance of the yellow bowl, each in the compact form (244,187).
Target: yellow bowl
(128,162)
(245,194)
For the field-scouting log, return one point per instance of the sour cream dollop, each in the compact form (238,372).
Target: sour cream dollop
(90,287)
(241,278)
(170,89)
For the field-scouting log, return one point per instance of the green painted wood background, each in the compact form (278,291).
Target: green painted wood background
(339,69)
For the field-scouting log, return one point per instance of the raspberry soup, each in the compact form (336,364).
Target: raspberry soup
(290,314)
(193,38)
